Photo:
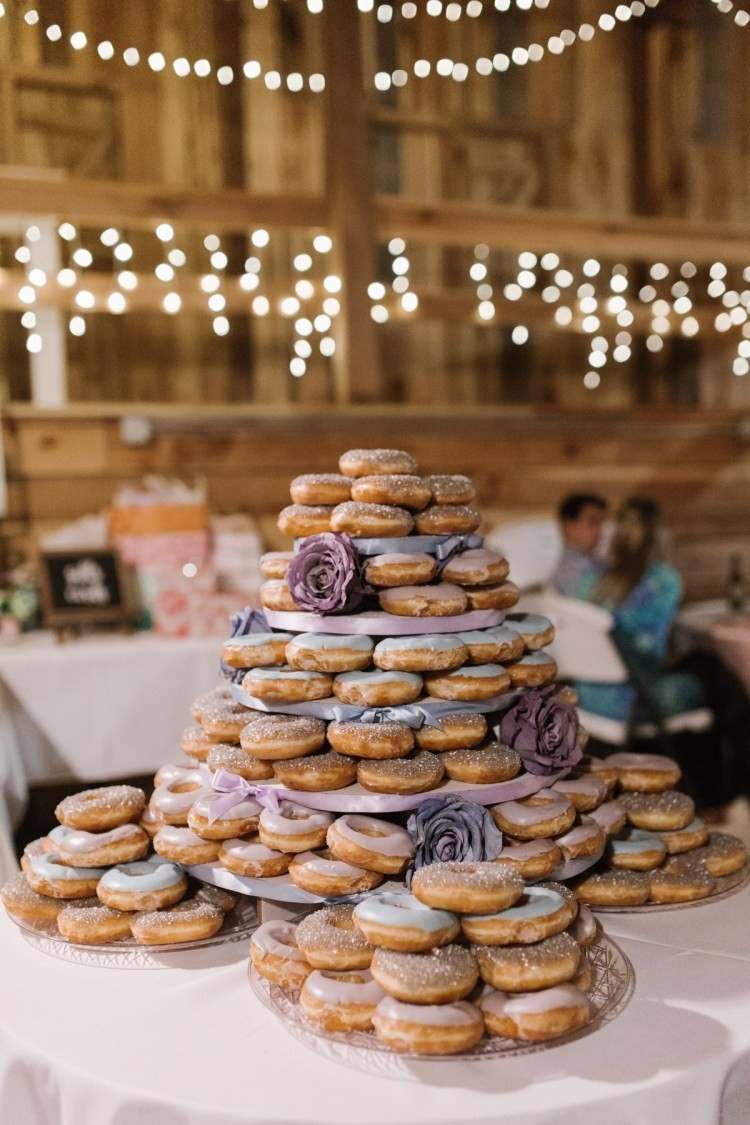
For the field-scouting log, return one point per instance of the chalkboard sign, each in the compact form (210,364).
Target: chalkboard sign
(82,588)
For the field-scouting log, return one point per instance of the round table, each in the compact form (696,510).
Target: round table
(193,1046)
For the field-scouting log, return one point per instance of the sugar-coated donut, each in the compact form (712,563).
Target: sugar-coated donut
(536,1016)
(276,956)
(47,875)
(327,652)
(276,595)
(529,968)
(693,835)
(192,920)
(397,920)
(320,873)
(256,650)
(428,1029)
(540,912)
(533,670)
(402,490)
(317,773)
(222,693)
(723,855)
(183,846)
(286,685)
(613,888)
(377,689)
(680,886)
(642,773)
(293,827)
(424,653)
(534,860)
(101,849)
(217,896)
(542,814)
(320,488)
(27,905)
(365,841)
(472,682)
(283,736)
(223,756)
(340,1001)
(371,740)
(502,595)
(636,851)
(477,567)
(664,811)
(585,793)
(451,488)
(400,570)
(369,462)
(440,600)
(585,927)
(224,720)
(236,821)
(497,645)
(301,520)
(330,939)
(583,841)
(610,817)
(447,519)
(439,976)
(452,732)
(482,765)
(97,810)
(419,773)
(365,521)
(536,631)
(146,885)
(467,888)
(88,922)
(196,743)
(249,857)
(275,564)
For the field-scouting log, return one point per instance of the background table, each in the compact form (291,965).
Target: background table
(712,625)
(193,1046)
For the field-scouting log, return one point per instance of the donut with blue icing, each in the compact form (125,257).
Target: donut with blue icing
(536,630)
(426,652)
(48,875)
(638,850)
(533,670)
(256,650)
(542,910)
(377,689)
(286,685)
(472,682)
(497,645)
(327,652)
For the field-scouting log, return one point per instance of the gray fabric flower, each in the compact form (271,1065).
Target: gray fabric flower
(451,829)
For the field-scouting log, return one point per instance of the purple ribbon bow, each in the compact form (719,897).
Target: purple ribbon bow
(231,790)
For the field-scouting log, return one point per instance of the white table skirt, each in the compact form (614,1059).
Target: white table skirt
(193,1046)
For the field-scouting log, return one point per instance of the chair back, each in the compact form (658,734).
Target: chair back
(532,547)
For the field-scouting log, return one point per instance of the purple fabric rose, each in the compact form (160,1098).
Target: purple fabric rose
(324,575)
(451,829)
(544,729)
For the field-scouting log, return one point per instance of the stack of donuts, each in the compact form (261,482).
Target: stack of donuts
(658,850)
(92,881)
(471,951)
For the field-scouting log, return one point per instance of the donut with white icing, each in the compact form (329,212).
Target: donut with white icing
(543,814)
(249,857)
(534,860)
(146,885)
(400,570)
(48,875)
(447,519)
(418,773)
(396,920)
(340,1001)
(533,670)
(365,521)
(541,911)
(536,630)
(330,939)
(101,849)
(275,564)
(327,652)
(528,968)
(293,827)
(428,1029)
(636,851)
(441,600)
(473,682)
(404,490)
(183,846)
(236,821)
(476,567)
(440,976)
(536,1016)
(371,740)
(322,874)
(283,736)
(174,800)
(276,956)
(316,773)
(365,841)
(256,650)
(377,689)
(320,488)
(301,520)
(426,652)
(452,732)
(286,685)
(369,462)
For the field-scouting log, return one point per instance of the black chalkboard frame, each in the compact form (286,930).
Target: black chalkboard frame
(63,616)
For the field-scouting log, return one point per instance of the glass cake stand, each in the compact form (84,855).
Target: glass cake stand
(726,886)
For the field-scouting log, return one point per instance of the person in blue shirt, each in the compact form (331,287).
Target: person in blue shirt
(582,517)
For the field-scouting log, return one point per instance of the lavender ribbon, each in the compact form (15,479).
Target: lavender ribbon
(231,790)
(441,546)
(242,624)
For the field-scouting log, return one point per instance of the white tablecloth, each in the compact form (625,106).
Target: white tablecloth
(193,1046)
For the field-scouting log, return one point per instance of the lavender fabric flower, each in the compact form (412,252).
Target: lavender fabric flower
(544,730)
(451,829)
(324,575)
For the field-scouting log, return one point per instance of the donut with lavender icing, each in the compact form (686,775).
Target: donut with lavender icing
(293,827)
(610,817)
(146,885)
(536,1016)
(330,939)
(528,968)
(377,689)
(447,519)
(276,956)
(369,462)
(22,902)
(256,650)
(236,821)
(418,773)
(451,488)
(663,811)
(501,595)
(88,922)
(397,920)
(196,743)
(320,489)
(452,732)
(275,564)
(473,682)
(543,814)
(533,670)
(583,841)
(317,773)
(322,874)
(428,1029)
(477,567)
(365,521)
(427,652)
(328,652)
(340,1001)
(365,841)
(371,740)
(224,756)
(101,849)
(48,875)
(467,888)
(540,912)
(300,520)
(191,920)
(283,736)
(276,595)
(482,765)
(645,773)
(636,851)
(97,810)
(286,685)
(400,570)
(440,976)
(183,846)
(534,860)
(585,793)
(536,630)
(497,645)
(251,858)
(404,490)
(441,600)
(613,888)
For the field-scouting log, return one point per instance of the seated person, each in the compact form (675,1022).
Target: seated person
(643,594)
(582,516)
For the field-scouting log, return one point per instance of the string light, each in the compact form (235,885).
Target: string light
(741,16)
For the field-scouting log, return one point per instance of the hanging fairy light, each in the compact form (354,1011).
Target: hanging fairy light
(727,7)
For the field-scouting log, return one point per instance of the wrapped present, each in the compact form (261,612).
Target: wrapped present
(237,548)
(188,612)
(158,506)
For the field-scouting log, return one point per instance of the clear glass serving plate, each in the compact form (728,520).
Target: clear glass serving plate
(726,886)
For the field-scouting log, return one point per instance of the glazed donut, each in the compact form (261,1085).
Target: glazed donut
(275,564)
(224,721)
(529,968)
(723,855)
(340,1001)
(535,859)
(369,462)
(426,653)
(482,765)
(533,670)
(584,793)
(326,652)
(192,920)
(283,736)
(320,488)
(610,817)
(217,896)
(400,570)
(236,821)
(276,595)
(583,841)
(249,857)
(151,821)
(498,645)
(542,814)
(501,596)
(645,773)
(317,773)
(48,876)
(439,976)
(146,885)
(585,929)
(440,600)
(428,1029)
(693,835)
(371,740)
(477,567)
(233,758)
(183,846)
(364,521)
(256,650)
(102,849)
(397,920)
(664,811)
(536,631)
(452,732)
(451,488)
(540,912)
(472,682)
(222,693)
(25,904)
(276,956)
(536,1016)
(613,888)
(376,845)
(195,743)
(681,886)
(329,939)
(447,519)
(97,810)
(286,685)
(89,923)
(636,851)
(377,689)
(467,888)
(417,774)
(402,490)
(301,520)
(321,874)
(293,828)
